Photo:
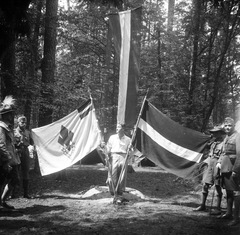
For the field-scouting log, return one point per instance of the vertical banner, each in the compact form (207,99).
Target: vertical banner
(126,32)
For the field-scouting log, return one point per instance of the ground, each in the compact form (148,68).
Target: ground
(159,203)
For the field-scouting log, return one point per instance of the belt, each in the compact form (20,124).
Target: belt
(117,153)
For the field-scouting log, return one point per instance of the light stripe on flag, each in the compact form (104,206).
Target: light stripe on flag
(125,25)
(167,144)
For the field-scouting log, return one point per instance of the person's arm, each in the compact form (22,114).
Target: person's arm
(236,166)
(4,154)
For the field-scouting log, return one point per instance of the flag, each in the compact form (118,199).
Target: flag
(125,27)
(169,145)
(68,140)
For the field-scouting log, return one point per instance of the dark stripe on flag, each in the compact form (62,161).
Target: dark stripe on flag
(85,109)
(169,145)
(165,159)
(178,134)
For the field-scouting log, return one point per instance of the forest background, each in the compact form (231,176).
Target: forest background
(53,52)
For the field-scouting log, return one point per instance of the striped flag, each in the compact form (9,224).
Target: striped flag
(169,145)
(68,140)
(125,27)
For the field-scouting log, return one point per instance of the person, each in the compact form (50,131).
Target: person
(117,147)
(9,161)
(212,175)
(226,164)
(23,140)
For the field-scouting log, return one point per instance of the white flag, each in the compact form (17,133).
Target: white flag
(68,140)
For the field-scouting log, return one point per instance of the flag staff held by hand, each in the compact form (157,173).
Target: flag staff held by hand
(130,146)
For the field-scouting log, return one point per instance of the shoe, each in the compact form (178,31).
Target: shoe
(200,208)
(215,212)
(225,216)
(5,205)
(234,222)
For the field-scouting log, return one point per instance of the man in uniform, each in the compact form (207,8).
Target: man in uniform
(22,140)
(229,167)
(212,175)
(9,161)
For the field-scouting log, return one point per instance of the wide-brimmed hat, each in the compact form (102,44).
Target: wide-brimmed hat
(7,105)
(217,129)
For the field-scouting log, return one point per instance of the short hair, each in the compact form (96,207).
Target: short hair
(228,120)
(22,118)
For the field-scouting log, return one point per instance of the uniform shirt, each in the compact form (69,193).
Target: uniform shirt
(117,145)
(216,149)
(7,149)
(22,137)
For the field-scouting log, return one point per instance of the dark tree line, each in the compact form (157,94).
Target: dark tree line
(50,57)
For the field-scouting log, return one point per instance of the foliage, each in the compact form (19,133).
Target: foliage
(86,61)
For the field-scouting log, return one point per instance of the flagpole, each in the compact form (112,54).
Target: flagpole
(132,139)
(104,149)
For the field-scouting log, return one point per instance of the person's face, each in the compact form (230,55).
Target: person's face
(119,129)
(228,127)
(22,124)
(9,117)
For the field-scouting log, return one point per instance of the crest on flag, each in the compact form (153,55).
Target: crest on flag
(66,140)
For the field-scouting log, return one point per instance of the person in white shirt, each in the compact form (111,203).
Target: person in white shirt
(117,147)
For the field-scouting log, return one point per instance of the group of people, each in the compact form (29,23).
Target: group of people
(223,171)
(14,153)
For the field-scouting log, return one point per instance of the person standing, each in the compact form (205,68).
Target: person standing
(9,161)
(117,147)
(23,140)
(226,164)
(212,174)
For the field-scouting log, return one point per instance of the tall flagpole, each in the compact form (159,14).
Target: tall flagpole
(132,139)
(104,149)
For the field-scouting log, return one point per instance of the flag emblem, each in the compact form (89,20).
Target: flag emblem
(66,140)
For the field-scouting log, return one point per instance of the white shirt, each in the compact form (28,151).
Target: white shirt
(117,145)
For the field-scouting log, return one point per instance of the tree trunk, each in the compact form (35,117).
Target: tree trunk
(48,63)
(31,105)
(171,5)
(192,80)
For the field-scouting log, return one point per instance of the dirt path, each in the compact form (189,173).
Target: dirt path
(158,204)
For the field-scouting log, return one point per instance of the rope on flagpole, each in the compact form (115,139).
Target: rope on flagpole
(129,147)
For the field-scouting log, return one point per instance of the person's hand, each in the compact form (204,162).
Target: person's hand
(7,168)
(234,174)
(218,165)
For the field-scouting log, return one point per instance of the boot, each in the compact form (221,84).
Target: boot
(202,207)
(7,189)
(217,211)
(25,189)
(228,214)
(236,212)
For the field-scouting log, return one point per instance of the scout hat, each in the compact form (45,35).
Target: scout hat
(7,105)
(217,129)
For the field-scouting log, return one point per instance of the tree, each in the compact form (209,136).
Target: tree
(48,63)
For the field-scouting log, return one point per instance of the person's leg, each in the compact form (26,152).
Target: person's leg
(6,192)
(230,197)
(123,179)
(25,167)
(217,211)
(236,211)
(202,207)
